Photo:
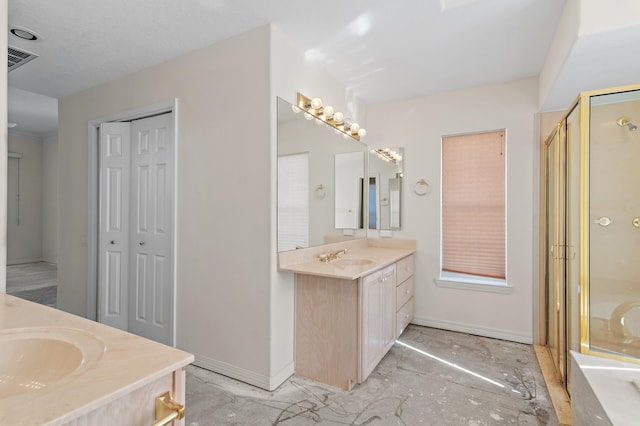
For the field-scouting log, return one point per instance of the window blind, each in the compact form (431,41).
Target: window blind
(293,201)
(473,204)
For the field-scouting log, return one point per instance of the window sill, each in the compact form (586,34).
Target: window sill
(474,285)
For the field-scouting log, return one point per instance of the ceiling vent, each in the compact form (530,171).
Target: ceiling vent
(19,57)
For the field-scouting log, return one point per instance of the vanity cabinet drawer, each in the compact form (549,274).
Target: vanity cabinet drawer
(404,316)
(404,268)
(404,292)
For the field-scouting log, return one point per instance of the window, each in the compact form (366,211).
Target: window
(473,207)
(293,201)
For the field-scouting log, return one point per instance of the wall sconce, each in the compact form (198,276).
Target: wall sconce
(315,108)
(387,154)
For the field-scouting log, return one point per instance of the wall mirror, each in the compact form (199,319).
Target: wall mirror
(385,188)
(349,190)
(308,151)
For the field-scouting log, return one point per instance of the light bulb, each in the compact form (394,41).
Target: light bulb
(328,111)
(316,103)
(338,117)
(295,108)
(355,127)
(362,133)
(337,131)
(308,116)
(346,136)
(319,122)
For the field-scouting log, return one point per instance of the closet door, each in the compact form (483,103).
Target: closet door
(151,275)
(114,224)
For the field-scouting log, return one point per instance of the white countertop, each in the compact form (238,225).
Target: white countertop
(128,363)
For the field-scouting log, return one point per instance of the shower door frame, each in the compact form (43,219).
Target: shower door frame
(583,105)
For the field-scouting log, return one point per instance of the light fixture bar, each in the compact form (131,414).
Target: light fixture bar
(316,109)
(387,154)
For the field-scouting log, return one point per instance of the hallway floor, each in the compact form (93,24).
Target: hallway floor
(37,282)
(429,377)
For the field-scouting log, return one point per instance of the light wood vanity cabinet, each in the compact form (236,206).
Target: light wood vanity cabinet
(345,327)
(378,317)
(404,293)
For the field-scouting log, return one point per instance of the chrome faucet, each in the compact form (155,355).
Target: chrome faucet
(328,257)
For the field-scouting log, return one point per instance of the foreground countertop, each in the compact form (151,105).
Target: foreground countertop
(381,254)
(127,363)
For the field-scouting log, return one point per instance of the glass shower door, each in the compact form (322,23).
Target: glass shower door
(554,271)
(614,224)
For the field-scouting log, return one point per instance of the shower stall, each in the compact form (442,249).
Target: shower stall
(590,230)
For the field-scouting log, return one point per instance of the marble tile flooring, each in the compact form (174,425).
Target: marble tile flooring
(36,282)
(429,377)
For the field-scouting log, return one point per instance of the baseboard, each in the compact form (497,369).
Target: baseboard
(23,261)
(282,376)
(247,376)
(472,329)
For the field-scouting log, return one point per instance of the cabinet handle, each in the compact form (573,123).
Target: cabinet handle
(167,410)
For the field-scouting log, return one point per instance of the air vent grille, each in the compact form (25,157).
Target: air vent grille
(19,57)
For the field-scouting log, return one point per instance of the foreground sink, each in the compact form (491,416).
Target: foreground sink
(36,358)
(346,261)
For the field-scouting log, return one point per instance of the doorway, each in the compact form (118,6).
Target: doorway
(132,223)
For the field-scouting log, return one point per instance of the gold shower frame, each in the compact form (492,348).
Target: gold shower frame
(582,102)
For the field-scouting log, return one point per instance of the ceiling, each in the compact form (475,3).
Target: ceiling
(379,49)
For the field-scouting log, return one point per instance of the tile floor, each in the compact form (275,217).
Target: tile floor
(429,377)
(36,282)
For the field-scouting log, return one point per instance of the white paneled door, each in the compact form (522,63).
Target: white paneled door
(115,160)
(137,195)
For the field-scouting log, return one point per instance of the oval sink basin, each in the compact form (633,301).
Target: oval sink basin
(351,262)
(36,358)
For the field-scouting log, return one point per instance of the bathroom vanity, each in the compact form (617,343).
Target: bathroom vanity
(349,310)
(60,369)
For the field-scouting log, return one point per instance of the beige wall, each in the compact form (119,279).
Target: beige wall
(223,196)
(235,310)
(50,199)
(598,16)
(24,220)
(291,71)
(418,125)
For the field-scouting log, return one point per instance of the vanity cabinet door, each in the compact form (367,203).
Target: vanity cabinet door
(378,317)
(371,332)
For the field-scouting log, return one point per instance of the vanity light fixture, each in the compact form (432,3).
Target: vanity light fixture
(387,154)
(315,108)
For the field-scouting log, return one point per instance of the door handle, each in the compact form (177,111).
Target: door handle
(112,242)
(636,222)
(142,243)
